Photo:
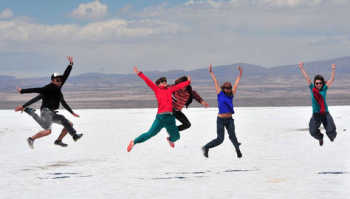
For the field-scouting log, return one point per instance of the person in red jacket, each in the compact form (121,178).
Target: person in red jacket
(164,117)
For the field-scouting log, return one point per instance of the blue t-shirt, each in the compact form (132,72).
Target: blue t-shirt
(315,106)
(225,103)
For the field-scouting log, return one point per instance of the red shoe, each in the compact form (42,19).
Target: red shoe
(131,145)
(171,143)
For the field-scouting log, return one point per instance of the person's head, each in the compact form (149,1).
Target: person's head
(56,79)
(181,79)
(227,88)
(161,82)
(319,82)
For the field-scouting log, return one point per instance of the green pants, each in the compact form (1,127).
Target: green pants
(161,121)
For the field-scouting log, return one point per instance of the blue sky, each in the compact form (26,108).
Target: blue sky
(112,36)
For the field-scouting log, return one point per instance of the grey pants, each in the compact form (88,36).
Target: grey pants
(48,117)
(328,123)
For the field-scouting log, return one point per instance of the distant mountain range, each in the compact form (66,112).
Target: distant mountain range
(280,81)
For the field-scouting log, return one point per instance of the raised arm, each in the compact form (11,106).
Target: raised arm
(330,81)
(68,70)
(308,80)
(217,86)
(151,84)
(235,86)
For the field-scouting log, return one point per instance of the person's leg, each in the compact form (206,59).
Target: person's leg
(169,123)
(230,126)
(45,118)
(60,119)
(330,127)
(185,123)
(314,130)
(220,130)
(41,134)
(154,130)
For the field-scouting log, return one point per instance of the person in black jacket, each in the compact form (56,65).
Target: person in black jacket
(51,96)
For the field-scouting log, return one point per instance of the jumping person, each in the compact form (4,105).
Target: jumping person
(225,95)
(51,97)
(164,117)
(320,113)
(181,98)
(31,112)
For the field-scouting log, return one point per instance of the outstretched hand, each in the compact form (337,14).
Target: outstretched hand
(19,108)
(136,71)
(301,64)
(210,70)
(240,70)
(18,89)
(333,66)
(70,58)
(188,78)
(75,115)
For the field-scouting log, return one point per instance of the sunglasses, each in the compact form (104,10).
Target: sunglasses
(227,88)
(58,80)
(318,83)
(162,80)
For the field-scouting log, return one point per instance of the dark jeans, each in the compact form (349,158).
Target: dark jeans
(230,127)
(328,123)
(183,119)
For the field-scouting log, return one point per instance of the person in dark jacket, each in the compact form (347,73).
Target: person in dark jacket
(51,96)
(184,97)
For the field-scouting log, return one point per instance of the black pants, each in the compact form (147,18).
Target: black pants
(185,123)
(328,123)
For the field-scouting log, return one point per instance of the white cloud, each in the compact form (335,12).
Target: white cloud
(6,14)
(90,11)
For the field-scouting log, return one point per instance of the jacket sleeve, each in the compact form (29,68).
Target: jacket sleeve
(196,96)
(64,104)
(35,99)
(151,84)
(179,86)
(66,74)
(41,90)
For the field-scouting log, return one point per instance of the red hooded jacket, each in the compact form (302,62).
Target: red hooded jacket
(164,93)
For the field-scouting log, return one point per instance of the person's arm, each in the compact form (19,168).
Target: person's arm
(151,84)
(44,89)
(217,86)
(308,80)
(198,98)
(68,70)
(330,81)
(235,86)
(35,99)
(66,106)
(180,85)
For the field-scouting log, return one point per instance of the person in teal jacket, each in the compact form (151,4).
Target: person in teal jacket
(320,113)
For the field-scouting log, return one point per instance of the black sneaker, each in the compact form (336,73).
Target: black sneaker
(30,142)
(239,154)
(29,110)
(321,142)
(60,143)
(205,152)
(76,137)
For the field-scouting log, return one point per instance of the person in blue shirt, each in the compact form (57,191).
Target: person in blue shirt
(225,94)
(320,113)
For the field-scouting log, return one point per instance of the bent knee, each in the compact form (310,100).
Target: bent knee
(47,132)
(71,123)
